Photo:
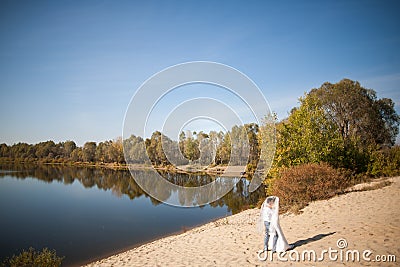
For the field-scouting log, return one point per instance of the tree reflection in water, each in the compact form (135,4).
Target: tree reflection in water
(120,182)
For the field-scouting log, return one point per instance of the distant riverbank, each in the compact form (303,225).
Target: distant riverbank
(228,171)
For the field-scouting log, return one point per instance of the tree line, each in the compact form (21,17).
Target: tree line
(342,124)
(192,148)
(239,146)
(68,151)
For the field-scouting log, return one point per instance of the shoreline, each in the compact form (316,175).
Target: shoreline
(367,219)
(226,171)
(143,243)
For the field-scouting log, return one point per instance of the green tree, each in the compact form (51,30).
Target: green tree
(115,151)
(359,115)
(4,150)
(155,150)
(252,130)
(77,155)
(100,154)
(135,149)
(191,149)
(206,149)
(182,139)
(69,146)
(223,154)
(44,149)
(339,124)
(215,139)
(307,136)
(89,151)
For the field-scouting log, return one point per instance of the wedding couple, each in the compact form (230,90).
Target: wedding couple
(274,238)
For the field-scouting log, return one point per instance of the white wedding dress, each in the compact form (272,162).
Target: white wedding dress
(275,228)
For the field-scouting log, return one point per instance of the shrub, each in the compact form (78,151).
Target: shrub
(31,257)
(299,185)
(385,162)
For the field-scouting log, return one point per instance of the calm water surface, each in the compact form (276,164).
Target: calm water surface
(86,213)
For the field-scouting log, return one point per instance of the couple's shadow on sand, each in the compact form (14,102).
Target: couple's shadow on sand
(302,242)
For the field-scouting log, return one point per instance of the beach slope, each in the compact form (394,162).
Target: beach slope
(360,220)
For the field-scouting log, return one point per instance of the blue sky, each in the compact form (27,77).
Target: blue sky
(68,69)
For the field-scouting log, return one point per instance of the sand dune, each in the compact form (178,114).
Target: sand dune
(366,220)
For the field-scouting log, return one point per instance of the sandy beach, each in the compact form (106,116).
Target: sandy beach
(363,221)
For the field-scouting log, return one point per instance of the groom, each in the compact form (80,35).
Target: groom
(267,216)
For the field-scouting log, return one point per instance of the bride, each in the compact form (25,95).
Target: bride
(274,237)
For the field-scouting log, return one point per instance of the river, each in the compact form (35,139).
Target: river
(89,213)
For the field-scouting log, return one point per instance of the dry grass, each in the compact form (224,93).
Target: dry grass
(220,222)
(373,185)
